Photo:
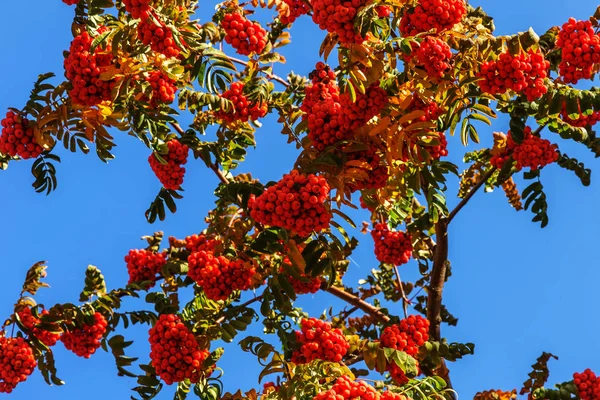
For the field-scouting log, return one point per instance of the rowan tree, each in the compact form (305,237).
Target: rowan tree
(394,82)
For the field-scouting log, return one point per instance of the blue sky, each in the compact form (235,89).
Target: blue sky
(518,290)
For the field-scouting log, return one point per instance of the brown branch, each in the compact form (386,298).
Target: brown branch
(221,319)
(437,280)
(405,300)
(358,302)
(269,76)
(471,193)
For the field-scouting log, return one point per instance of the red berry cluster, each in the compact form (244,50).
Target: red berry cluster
(296,8)
(243,110)
(377,174)
(398,375)
(171,174)
(83,70)
(582,121)
(337,16)
(580,50)
(319,342)
(17,138)
(408,336)
(16,362)
(391,247)
(383,11)
(436,152)
(174,351)
(296,202)
(434,55)
(433,14)
(138,8)
(345,388)
(218,276)
(200,242)
(144,265)
(356,114)
(30,322)
(312,286)
(431,109)
(588,385)
(70,2)
(85,341)
(158,37)
(534,152)
(163,88)
(244,35)
(523,73)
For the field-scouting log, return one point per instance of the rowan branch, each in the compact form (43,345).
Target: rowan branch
(471,193)
(405,300)
(222,318)
(269,76)
(358,302)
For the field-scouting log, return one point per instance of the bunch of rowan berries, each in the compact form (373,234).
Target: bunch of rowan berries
(17,138)
(16,362)
(533,152)
(408,335)
(398,375)
(345,388)
(200,242)
(144,265)
(393,247)
(243,109)
(383,11)
(377,173)
(588,385)
(170,174)
(319,341)
(243,35)
(30,322)
(158,36)
(337,16)
(434,55)
(355,114)
(296,203)
(83,70)
(138,8)
(580,48)
(174,351)
(523,73)
(85,340)
(296,8)
(438,15)
(312,285)
(70,2)
(441,150)
(322,108)
(218,276)
(582,121)
(163,88)
(431,109)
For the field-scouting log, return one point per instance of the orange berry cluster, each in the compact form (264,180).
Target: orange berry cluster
(434,54)
(377,174)
(383,11)
(70,2)
(200,242)
(358,113)
(218,276)
(391,247)
(398,375)
(83,70)
(580,50)
(296,203)
(431,109)
(16,362)
(588,385)
(312,286)
(523,73)
(158,37)
(174,351)
(17,138)
(244,35)
(582,121)
(337,16)
(436,152)
(171,174)
(85,341)
(30,322)
(408,336)
(345,388)
(163,88)
(243,110)
(319,342)
(138,8)
(534,152)
(296,8)
(433,14)
(144,265)
(322,108)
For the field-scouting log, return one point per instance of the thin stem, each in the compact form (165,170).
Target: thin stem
(222,318)
(270,76)
(471,193)
(358,302)
(405,300)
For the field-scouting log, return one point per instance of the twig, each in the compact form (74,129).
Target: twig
(221,319)
(405,300)
(358,302)
(269,76)
(471,193)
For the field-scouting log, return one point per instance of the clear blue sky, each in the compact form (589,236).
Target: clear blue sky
(517,290)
